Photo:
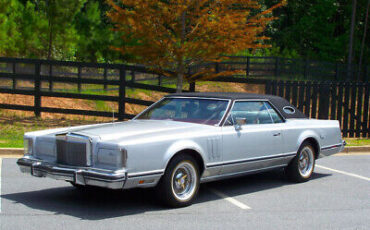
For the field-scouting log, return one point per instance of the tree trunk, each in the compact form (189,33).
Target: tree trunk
(180,62)
(50,39)
(180,76)
(349,61)
(363,42)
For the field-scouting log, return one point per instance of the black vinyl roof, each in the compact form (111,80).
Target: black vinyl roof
(278,102)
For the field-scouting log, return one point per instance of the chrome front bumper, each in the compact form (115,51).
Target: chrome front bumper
(77,175)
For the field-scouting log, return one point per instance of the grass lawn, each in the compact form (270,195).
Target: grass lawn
(13,129)
(357,141)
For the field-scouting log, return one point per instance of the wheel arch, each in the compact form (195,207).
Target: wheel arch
(315,144)
(193,153)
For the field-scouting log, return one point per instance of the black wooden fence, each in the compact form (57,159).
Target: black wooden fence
(287,69)
(38,75)
(347,102)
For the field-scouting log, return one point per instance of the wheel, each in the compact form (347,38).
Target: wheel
(300,169)
(180,184)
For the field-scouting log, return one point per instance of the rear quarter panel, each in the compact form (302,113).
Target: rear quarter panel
(325,132)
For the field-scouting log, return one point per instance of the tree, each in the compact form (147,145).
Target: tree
(9,33)
(318,29)
(60,33)
(175,34)
(95,34)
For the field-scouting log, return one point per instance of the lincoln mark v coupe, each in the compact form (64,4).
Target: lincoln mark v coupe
(183,140)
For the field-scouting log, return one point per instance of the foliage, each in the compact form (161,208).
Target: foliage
(9,35)
(96,34)
(318,29)
(80,30)
(176,34)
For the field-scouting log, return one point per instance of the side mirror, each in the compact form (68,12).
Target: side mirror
(239,121)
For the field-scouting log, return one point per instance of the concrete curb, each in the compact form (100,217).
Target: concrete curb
(13,152)
(356,149)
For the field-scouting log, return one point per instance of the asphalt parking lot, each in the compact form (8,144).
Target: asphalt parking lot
(338,197)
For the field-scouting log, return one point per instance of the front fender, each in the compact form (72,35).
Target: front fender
(180,146)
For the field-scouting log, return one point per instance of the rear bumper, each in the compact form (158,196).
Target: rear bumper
(332,149)
(81,176)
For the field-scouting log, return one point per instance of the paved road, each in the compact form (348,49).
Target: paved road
(338,197)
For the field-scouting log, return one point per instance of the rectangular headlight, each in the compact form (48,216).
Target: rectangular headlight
(113,157)
(28,144)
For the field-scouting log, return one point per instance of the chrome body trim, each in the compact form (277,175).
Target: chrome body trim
(251,160)
(332,149)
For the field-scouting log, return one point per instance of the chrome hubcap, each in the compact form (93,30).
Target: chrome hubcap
(184,181)
(306,160)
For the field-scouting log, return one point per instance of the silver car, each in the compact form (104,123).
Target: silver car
(183,140)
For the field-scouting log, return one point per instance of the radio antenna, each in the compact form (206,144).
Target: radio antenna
(113,115)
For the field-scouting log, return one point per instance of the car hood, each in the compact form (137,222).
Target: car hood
(136,128)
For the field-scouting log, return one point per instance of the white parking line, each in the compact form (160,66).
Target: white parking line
(230,199)
(1,161)
(345,173)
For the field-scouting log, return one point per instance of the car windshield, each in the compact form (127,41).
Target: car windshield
(194,110)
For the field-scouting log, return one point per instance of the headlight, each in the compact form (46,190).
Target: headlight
(112,157)
(28,146)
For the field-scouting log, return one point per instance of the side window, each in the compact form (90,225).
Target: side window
(251,112)
(274,115)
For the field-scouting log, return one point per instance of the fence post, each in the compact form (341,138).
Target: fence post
(133,76)
(324,100)
(217,67)
(248,66)
(268,87)
(50,75)
(79,78)
(37,94)
(276,67)
(159,80)
(192,86)
(305,73)
(122,93)
(14,79)
(105,79)
(336,71)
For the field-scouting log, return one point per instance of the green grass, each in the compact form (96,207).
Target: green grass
(357,141)
(13,128)
(11,135)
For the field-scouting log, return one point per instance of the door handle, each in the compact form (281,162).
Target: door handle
(276,134)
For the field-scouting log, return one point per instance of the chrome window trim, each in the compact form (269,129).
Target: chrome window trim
(264,105)
(277,111)
(254,100)
(205,98)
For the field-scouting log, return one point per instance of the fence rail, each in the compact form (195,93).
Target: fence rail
(121,78)
(347,102)
(278,68)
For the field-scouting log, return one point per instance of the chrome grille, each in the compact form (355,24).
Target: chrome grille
(71,152)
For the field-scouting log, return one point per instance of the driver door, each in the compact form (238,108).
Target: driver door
(249,145)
